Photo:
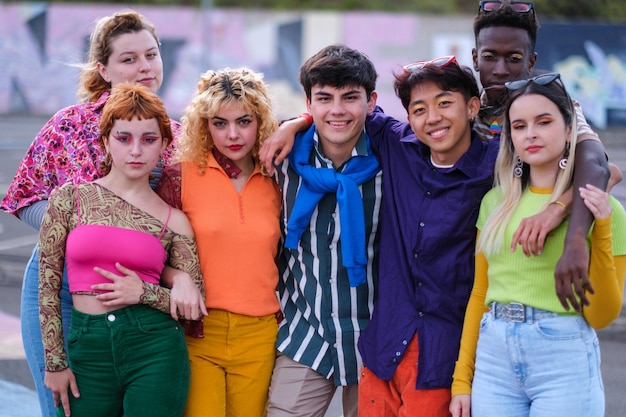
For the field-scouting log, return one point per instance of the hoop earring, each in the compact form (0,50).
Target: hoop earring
(519,167)
(108,160)
(563,161)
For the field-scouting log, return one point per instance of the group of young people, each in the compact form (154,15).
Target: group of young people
(456,263)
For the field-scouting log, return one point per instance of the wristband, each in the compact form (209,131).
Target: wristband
(308,118)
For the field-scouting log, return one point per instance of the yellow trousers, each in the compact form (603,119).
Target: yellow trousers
(231,366)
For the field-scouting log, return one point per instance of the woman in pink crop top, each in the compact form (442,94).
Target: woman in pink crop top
(126,355)
(234,210)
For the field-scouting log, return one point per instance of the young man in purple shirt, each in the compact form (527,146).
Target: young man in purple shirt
(432,187)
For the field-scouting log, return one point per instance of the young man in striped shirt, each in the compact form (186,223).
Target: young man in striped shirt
(331,185)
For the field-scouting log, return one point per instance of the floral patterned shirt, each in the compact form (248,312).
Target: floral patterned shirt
(65,150)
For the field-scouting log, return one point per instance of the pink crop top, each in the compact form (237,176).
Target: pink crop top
(90,245)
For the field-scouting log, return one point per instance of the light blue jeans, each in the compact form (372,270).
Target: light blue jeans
(548,367)
(31,331)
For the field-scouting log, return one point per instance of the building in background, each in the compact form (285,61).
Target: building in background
(41,43)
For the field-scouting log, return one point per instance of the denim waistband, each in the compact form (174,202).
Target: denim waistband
(133,314)
(519,313)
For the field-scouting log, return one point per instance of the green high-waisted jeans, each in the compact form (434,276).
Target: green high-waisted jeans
(132,362)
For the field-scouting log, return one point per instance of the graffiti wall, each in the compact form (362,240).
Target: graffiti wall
(42,44)
(592,61)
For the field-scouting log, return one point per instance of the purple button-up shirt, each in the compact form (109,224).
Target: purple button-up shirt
(428,234)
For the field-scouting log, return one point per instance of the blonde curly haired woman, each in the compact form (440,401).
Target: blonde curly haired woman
(234,210)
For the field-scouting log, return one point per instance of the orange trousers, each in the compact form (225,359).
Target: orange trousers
(398,397)
(231,366)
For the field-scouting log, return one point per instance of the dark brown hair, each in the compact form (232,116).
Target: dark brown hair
(338,66)
(506,16)
(451,77)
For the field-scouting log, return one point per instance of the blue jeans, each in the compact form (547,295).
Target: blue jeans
(31,332)
(546,367)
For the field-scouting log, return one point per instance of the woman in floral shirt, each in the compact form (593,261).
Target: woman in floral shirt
(124,47)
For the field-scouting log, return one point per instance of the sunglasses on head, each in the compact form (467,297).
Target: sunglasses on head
(443,61)
(543,79)
(518,6)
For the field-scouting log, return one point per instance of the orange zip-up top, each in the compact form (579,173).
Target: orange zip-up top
(237,235)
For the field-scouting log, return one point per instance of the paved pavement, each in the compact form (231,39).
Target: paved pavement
(17,240)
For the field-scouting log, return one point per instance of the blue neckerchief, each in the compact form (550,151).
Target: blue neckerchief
(316,182)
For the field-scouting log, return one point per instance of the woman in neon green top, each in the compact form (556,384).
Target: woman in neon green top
(522,353)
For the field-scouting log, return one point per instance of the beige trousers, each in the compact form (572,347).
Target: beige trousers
(297,390)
